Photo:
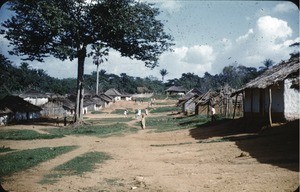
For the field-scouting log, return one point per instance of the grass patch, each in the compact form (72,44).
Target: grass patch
(98,112)
(166,145)
(26,135)
(4,149)
(25,159)
(165,109)
(121,111)
(95,130)
(163,123)
(109,120)
(77,166)
(214,140)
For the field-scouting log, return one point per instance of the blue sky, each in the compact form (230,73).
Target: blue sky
(209,35)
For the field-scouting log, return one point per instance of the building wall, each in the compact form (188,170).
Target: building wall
(260,102)
(255,100)
(37,101)
(291,100)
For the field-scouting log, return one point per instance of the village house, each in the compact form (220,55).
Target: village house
(114,94)
(187,101)
(34,97)
(273,96)
(204,101)
(176,90)
(14,108)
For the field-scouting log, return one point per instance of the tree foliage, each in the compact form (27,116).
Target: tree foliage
(66,29)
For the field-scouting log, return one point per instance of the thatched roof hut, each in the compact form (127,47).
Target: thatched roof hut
(272,96)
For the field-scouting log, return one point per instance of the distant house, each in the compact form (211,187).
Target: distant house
(206,100)
(114,93)
(274,95)
(126,96)
(54,107)
(176,90)
(14,108)
(186,101)
(34,97)
(107,100)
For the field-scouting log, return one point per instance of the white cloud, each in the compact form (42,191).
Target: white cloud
(171,6)
(271,27)
(245,37)
(199,55)
(269,38)
(285,7)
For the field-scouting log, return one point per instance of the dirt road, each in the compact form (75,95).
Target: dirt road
(170,162)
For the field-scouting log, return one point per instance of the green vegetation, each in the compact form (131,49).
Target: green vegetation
(163,124)
(26,135)
(166,145)
(121,111)
(22,160)
(164,109)
(4,149)
(95,130)
(77,166)
(98,112)
(109,120)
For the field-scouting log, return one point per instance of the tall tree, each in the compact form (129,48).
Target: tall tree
(98,58)
(267,64)
(163,73)
(67,28)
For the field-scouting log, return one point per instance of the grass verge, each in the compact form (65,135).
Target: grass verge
(26,135)
(165,109)
(164,124)
(95,130)
(109,120)
(25,159)
(77,166)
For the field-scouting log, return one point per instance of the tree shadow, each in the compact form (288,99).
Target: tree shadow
(278,145)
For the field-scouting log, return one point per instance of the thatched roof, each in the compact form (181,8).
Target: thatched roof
(176,89)
(105,97)
(67,103)
(113,92)
(206,97)
(17,104)
(192,93)
(33,94)
(273,75)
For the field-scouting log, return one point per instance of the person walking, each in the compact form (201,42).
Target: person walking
(143,122)
(213,114)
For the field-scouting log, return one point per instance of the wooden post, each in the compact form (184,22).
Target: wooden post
(251,102)
(235,105)
(270,106)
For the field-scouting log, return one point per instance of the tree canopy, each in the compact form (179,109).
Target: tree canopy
(66,29)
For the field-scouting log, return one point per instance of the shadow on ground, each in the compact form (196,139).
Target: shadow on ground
(278,145)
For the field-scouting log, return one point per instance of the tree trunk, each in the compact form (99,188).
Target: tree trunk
(97,83)
(80,91)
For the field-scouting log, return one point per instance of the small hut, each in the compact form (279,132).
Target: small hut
(114,93)
(18,109)
(273,96)
(176,90)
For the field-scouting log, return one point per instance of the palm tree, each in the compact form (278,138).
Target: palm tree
(98,58)
(268,63)
(163,73)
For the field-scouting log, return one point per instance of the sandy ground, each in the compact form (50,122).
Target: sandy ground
(172,161)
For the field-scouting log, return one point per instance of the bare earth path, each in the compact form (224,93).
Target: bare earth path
(147,161)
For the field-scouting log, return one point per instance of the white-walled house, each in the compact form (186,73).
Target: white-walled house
(34,97)
(114,93)
(274,92)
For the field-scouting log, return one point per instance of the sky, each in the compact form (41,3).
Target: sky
(208,36)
